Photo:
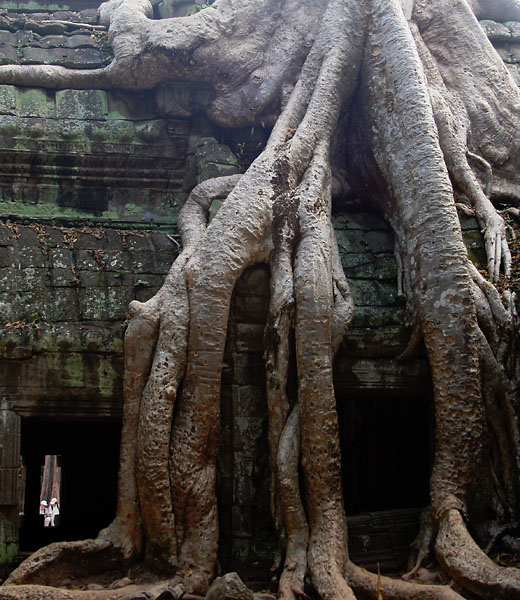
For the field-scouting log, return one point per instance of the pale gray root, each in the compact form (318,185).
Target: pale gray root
(422,546)
(453,127)
(250,74)
(211,274)
(504,433)
(469,566)
(246,218)
(496,319)
(138,464)
(481,90)
(295,566)
(277,333)
(295,167)
(440,279)
(150,390)
(365,583)
(313,284)
(327,554)
(50,564)
(37,592)
(159,395)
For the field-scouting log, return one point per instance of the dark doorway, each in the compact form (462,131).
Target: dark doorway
(88,458)
(385,446)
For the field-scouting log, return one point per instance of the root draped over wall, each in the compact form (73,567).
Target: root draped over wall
(429,116)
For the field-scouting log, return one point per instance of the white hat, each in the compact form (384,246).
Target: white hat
(54,501)
(43,502)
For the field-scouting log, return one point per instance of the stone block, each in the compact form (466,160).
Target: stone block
(251,309)
(92,304)
(369,266)
(30,256)
(63,278)
(7,100)
(60,258)
(242,521)
(243,491)
(182,100)
(64,305)
(249,401)
(8,283)
(35,102)
(89,15)
(511,51)
(378,316)
(8,54)
(505,53)
(358,220)
(90,259)
(373,293)
(352,241)
(81,104)
(7,309)
(7,257)
(7,37)
(8,486)
(143,261)
(248,368)
(9,438)
(514,28)
(30,279)
(380,241)
(250,337)
(213,160)
(45,28)
(114,260)
(130,105)
(118,299)
(496,32)
(229,587)
(164,259)
(30,305)
(246,433)
(79,40)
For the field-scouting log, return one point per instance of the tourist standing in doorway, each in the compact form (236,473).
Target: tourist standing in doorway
(54,512)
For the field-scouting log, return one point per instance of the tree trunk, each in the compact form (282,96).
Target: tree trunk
(412,82)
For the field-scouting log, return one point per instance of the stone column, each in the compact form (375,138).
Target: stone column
(9,465)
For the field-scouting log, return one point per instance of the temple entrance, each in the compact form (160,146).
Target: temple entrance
(86,455)
(386,446)
(385,443)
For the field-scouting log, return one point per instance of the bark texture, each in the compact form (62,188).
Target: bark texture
(428,115)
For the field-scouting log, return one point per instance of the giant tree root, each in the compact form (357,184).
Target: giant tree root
(404,145)
(469,566)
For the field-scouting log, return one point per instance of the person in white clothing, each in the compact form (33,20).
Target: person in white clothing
(54,511)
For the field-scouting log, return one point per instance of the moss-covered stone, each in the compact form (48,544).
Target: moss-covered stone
(34,102)
(81,104)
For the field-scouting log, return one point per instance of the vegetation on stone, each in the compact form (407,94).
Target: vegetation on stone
(406,106)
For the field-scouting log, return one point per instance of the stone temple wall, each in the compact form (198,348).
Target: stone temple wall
(91,183)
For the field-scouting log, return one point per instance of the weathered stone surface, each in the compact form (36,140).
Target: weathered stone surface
(229,587)
(8,54)
(496,32)
(7,100)
(213,160)
(75,58)
(81,104)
